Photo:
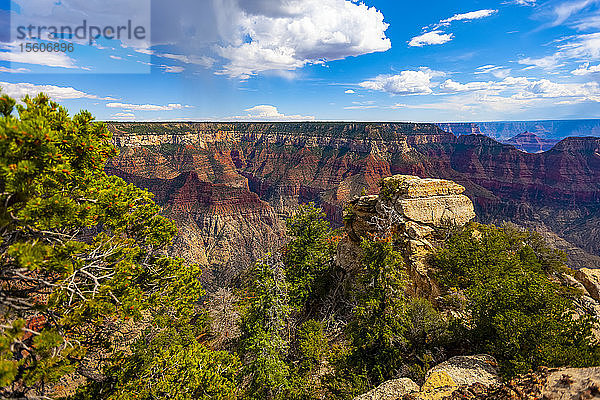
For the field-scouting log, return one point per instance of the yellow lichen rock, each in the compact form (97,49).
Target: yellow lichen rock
(438,385)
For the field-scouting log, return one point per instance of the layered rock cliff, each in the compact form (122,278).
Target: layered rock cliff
(556,192)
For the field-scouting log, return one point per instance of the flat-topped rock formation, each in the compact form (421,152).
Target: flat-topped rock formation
(417,212)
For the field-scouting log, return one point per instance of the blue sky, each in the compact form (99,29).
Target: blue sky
(272,60)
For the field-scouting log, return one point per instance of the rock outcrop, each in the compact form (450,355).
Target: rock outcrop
(590,279)
(417,212)
(441,381)
(390,390)
(546,384)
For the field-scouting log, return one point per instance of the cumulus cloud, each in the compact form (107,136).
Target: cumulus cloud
(586,69)
(20,90)
(404,83)
(522,88)
(146,107)
(291,34)
(269,113)
(435,37)
(349,91)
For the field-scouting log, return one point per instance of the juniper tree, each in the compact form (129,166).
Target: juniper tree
(81,252)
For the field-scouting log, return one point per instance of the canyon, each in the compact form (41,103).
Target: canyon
(230,186)
(504,130)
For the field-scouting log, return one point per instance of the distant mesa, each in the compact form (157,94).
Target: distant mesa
(531,143)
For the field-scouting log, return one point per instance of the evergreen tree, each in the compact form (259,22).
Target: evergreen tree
(82,254)
(377,331)
(265,339)
(308,255)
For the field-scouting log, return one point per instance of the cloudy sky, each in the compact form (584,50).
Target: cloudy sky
(273,60)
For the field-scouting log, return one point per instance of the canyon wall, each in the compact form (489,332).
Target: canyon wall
(247,177)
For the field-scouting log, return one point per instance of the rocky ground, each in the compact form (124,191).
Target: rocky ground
(476,378)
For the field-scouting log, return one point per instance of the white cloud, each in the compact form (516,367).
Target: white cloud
(586,69)
(565,10)
(361,107)
(12,53)
(578,48)
(588,22)
(285,36)
(124,116)
(433,34)
(523,89)
(203,61)
(497,71)
(523,2)
(14,70)
(407,82)
(583,47)
(435,37)
(468,16)
(269,113)
(20,90)
(543,62)
(349,91)
(171,69)
(116,57)
(146,107)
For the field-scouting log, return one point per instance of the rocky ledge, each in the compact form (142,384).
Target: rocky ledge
(476,378)
(418,212)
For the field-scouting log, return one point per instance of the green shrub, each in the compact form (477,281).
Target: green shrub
(517,313)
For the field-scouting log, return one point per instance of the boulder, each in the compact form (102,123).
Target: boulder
(446,378)
(590,279)
(467,370)
(572,383)
(390,390)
